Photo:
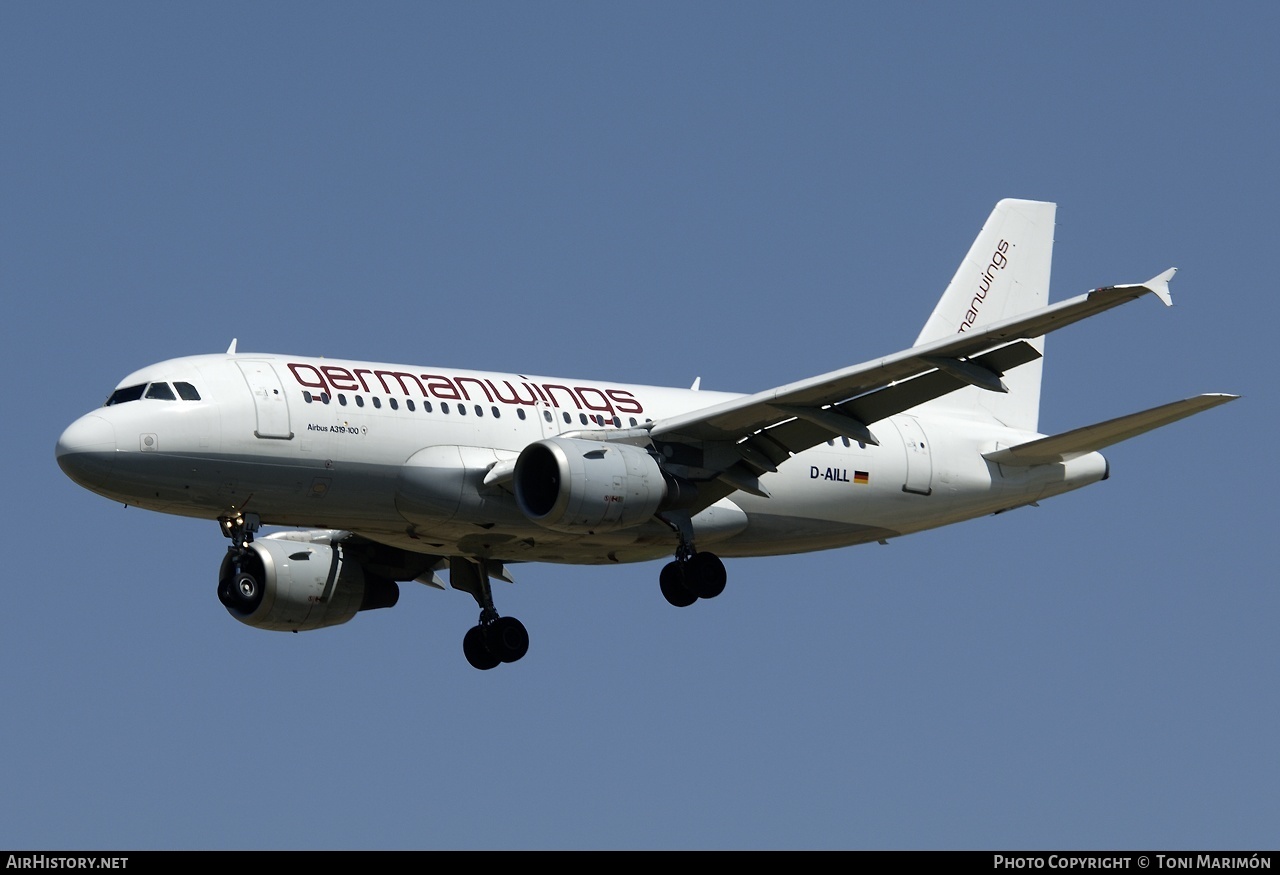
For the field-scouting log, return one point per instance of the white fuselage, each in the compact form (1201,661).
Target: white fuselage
(399,454)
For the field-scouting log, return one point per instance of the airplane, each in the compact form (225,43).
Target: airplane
(380,474)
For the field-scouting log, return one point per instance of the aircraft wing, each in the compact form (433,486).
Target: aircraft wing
(794,417)
(734,442)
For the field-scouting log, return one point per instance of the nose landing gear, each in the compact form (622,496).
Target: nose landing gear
(239,589)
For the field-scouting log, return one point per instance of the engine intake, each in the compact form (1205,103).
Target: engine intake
(299,585)
(576,486)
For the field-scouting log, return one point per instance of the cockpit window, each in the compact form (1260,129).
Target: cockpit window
(154,391)
(128,393)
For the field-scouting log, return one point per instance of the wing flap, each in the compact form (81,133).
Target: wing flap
(1091,438)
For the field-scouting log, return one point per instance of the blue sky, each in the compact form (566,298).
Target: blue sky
(749,193)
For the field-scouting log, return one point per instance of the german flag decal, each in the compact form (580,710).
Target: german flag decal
(861,477)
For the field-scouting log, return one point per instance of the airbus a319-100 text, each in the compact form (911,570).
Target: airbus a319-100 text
(385,473)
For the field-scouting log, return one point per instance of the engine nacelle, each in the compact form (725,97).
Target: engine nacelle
(300,585)
(576,486)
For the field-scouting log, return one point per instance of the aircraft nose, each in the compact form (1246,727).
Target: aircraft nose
(86,451)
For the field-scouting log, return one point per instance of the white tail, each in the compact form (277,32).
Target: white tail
(1005,274)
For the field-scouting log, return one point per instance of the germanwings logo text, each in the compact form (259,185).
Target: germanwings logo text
(334,378)
(998,262)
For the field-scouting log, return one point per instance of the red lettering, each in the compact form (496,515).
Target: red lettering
(548,387)
(318,383)
(340,376)
(400,377)
(336,377)
(442,387)
(515,394)
(627,403)
(604,400)
(461,380)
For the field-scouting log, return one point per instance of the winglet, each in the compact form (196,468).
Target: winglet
(1160,286)
(1157,285)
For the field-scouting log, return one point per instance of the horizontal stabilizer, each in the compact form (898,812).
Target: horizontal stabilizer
(1078,442)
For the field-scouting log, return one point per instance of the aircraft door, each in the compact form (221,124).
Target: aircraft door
(548,418)
(268,400)
(919,477)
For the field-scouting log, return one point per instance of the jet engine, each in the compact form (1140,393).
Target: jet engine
(576,486)
(289,585)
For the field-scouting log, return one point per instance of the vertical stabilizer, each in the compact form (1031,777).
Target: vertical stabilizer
(1005,274)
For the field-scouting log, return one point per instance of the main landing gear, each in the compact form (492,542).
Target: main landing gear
(692,575)
(239,590)
(494,639)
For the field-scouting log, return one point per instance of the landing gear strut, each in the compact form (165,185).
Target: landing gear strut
(494,639)
(239,590)
(692,575)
